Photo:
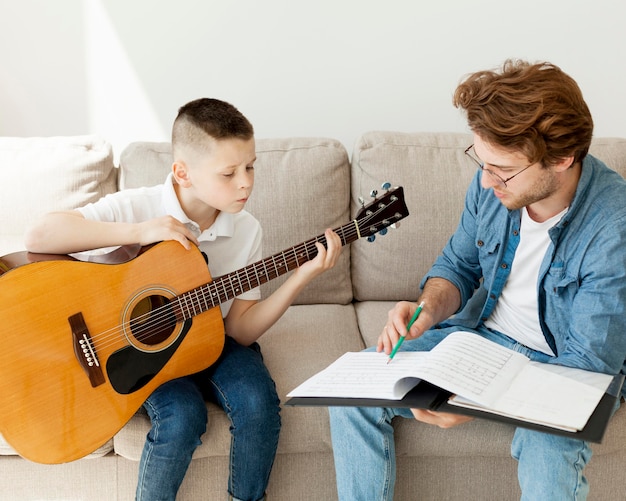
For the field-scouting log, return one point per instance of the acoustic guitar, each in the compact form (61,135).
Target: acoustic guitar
(84,344)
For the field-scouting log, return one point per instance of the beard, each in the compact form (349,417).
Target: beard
(543,188)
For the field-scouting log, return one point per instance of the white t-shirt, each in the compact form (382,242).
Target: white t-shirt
(517,312)
(231,243)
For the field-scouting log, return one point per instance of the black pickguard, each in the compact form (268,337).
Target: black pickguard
(130,369)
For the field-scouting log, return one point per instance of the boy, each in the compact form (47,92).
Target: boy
(201,203)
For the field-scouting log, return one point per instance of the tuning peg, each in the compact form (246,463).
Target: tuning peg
(383,232)
(386,186)
(371,238)
(362,202)
(373,193)
(395,226)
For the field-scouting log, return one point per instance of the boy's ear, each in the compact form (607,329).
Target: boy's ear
(181,173)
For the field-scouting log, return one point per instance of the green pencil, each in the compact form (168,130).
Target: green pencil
(399,343)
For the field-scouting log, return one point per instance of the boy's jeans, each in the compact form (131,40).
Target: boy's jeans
(550,467)
(240,383)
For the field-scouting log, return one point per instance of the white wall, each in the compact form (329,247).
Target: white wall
(121,68)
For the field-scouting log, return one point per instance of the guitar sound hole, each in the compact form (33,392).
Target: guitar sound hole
(152,320)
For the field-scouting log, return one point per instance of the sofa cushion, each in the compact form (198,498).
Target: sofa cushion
(296,206)
(7,450)
(49,173)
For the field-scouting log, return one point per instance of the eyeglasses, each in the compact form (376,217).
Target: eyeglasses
(481,165)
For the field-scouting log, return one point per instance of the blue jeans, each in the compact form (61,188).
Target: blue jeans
(550,467)
(238,382)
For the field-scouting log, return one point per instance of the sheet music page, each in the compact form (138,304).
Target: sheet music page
(463,363)
(548,394)
(469,365)
(364,374)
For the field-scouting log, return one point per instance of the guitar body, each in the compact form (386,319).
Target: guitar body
(85,344)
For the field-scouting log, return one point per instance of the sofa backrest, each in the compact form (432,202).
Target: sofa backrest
(43,174)
(302,187)
(435,174)
(612,151)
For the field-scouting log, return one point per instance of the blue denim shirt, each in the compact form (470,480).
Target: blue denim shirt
(582,280)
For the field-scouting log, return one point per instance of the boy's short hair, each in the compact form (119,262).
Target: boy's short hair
(535,109)
(208,117)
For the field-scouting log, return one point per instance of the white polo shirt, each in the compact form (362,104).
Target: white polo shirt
(231,243)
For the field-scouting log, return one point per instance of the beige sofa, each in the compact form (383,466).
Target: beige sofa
(302,187)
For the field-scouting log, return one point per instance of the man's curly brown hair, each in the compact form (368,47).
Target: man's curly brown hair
(535,109)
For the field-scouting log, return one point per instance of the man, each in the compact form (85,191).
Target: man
(537,264)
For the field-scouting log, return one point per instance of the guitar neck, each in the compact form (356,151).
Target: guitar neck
(229,286)
(371,219)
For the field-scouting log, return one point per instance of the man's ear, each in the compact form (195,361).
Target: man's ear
(181,173)
(564,164)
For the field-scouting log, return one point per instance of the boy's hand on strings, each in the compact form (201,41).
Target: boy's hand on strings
(326,256)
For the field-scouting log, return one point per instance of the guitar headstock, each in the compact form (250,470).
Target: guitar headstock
(381,213)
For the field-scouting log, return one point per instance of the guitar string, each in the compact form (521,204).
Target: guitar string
(161,317)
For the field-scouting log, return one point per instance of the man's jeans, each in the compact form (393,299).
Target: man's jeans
(239,383)
(550,467)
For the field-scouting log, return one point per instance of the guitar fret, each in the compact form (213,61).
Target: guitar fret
(215,295)
(230,280)
(343,235)
(203,296)
(177,308)
(304,255)
(248,278)
(212,295)
(183,306)
(295,255)
(258,280)
(235,291)
(225,292)
(266,273)
(241,289)
(285,260)
(196,303)
(313,247)
(191,304)
(275,267)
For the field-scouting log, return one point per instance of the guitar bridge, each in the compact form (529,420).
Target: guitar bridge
(84,350)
